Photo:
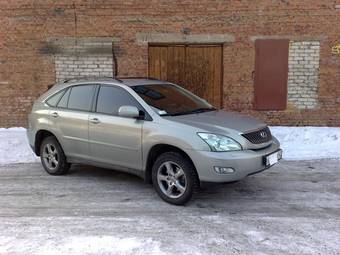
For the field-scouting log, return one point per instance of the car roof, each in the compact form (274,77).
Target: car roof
(128,81)
(125,81)
(141,81)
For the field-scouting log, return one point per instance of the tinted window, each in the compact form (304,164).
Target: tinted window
(111,98)
(53,100)
(81,97)
(63,101)
(168,99)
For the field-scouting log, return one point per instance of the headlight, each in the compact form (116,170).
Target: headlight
(220,142)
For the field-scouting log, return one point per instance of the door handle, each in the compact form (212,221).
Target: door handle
(55,115)
(95,121)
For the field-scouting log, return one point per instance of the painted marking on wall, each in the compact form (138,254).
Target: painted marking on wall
(336,49)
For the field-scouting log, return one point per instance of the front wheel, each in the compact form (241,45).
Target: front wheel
(52,157)
(174,178)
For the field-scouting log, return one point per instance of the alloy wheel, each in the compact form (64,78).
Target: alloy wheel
(171,179)
(50,156)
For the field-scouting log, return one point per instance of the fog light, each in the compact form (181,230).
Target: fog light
(223,170)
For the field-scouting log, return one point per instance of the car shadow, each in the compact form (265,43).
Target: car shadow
(221,196)
(79,170)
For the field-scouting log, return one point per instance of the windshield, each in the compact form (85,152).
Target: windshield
(171,100)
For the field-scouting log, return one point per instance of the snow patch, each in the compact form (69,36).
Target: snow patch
(82,245)
(298,143)
(304,143)
(257,236)
(14,147)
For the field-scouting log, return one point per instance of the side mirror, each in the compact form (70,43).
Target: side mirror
(129,112)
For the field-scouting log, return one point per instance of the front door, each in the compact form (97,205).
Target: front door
(197,68)
(113,139)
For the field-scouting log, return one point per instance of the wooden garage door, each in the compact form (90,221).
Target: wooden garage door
(198,68)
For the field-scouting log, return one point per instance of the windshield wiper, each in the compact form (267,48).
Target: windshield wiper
(198,110)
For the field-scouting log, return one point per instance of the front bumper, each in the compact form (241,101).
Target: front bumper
(244,163)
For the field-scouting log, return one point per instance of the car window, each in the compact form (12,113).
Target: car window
(63,101)
(81,97)
(168,99)
(111,98)
(53,100)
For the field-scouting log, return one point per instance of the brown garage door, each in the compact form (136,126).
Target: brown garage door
(198,68)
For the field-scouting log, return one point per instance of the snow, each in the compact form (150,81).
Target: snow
(80,245)
(306,143)
(298,143)
(14,147)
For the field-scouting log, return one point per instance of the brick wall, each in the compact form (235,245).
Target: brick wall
(303,75)
(27,56)
(67,67)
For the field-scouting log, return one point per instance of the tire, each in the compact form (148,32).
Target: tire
(52,157)
(174,178)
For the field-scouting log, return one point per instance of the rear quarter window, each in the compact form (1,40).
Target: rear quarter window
(54,99)
(63,101)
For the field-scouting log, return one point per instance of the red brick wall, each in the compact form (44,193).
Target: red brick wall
(26,69)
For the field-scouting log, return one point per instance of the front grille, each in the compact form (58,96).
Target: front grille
(259,136)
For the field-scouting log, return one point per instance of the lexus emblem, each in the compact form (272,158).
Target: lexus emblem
(263,134)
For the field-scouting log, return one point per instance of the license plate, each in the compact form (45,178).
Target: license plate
(273,158)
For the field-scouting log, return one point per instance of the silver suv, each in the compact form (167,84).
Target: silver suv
(151,128)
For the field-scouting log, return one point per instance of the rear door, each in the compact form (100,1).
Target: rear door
(113,139)
(70,120)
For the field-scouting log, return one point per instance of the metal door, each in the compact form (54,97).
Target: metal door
(271,74)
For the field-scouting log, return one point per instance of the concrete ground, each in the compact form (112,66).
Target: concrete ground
(292,208)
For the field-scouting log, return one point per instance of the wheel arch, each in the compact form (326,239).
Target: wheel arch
(157,150)
(39,137)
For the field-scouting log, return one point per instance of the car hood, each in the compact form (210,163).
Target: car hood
(219,121)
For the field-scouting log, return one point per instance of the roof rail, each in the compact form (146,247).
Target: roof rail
(137,77)
(89,77)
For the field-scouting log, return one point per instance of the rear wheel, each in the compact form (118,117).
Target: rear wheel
(174,178)
(52,157)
